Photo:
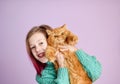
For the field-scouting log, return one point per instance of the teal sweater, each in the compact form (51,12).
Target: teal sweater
(50,76)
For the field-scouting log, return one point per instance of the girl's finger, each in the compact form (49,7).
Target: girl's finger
(56,53)
(62,46)
(64,49)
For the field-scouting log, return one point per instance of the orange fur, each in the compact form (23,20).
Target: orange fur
(62,36)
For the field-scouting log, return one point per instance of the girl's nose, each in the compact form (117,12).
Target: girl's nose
(38,49)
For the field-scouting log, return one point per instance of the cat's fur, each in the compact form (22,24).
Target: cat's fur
(62,36)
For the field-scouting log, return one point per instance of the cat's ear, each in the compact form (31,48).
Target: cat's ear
(64,26)
(48,32)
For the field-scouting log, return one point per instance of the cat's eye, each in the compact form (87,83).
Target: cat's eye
(56,36)
(62,33)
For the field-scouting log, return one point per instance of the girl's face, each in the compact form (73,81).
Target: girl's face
(38,45)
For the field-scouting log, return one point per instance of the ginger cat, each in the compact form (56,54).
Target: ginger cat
(62,36)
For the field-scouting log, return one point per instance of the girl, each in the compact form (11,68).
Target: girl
(36,44)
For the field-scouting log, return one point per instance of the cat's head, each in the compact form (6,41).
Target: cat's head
(57,36)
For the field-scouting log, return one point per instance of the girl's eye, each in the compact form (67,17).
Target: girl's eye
(32,47)
(41,43)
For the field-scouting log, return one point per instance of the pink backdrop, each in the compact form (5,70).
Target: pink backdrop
(96,22)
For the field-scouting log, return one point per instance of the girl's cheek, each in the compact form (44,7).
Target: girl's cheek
(33,52)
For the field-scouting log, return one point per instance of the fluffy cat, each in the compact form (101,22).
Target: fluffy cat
(62,36)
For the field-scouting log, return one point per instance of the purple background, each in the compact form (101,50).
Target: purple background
(96,22)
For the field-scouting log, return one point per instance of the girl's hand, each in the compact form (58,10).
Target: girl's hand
(60,59)
(68,47)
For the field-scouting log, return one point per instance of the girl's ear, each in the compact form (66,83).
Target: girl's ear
(48,32)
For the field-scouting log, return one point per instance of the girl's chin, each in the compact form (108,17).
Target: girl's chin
(43,60)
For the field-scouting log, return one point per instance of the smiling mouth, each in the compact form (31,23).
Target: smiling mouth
(41,55)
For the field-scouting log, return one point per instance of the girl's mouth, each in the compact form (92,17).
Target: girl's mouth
(40,55)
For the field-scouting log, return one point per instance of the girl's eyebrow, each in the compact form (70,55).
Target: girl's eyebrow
(31,45)
(40,39)
(37,41)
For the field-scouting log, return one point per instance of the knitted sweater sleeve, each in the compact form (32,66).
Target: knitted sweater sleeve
(90,64)
(62,78)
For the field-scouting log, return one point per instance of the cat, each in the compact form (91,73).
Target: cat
(62,36)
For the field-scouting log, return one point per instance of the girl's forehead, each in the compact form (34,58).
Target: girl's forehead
(37,37)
